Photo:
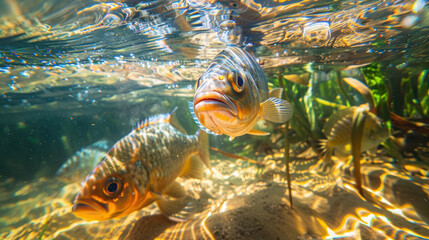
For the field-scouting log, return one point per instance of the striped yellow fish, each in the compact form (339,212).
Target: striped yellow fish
(140,169)
(232,95)
(338,129)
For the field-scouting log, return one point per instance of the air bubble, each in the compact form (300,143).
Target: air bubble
(111,20)
(229,33)
(409,21)
(25,74)
(317,34)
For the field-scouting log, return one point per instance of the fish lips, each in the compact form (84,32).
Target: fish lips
(90,209)
(214,110)
(213,101)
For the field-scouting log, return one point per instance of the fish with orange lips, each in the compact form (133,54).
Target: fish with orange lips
(142,168)
(232,95)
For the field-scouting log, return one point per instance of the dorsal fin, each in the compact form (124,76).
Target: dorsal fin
(160,118)
(174,121)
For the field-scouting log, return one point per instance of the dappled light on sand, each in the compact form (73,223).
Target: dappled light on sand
(242,200)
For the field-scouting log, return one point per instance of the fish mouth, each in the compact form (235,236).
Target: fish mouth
(90,209)
(214,101)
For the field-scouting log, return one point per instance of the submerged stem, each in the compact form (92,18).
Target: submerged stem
(45,226)
(342,89)
(287,161)
(357,135)
(286,146)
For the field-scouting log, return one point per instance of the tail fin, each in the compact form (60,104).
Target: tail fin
(204,147)
(324,167)
(325,150)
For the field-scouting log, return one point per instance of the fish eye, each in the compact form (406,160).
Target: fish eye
(240,81)
(234,5)
(112,186)
(236,81)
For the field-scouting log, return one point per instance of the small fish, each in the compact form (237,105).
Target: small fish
(140,169)
(339,129)
(302,79)
(232,95)
(78,166)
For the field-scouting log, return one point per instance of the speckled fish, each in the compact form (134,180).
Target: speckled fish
(338,129)
(232,95)
(78,166)
(140,169)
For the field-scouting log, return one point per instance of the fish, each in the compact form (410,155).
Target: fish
(78,166)
(142,168)
(232,95)
(302,79)
(338,129)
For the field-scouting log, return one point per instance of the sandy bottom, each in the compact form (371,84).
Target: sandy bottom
(239,200)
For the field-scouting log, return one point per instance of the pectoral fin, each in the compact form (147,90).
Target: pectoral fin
(172,200)
(175,190)
(170,207)
(276,110)
(193,168)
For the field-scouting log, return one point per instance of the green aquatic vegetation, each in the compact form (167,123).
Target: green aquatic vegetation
(423,92)
(402,91)
(339,82)
(324,95)
(415,94)
(294,92)
(378,83)
(399,94)
(375,81)
(305,100)
(311,105)
(45,226)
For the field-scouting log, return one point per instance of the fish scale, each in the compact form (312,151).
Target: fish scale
(141,168)
(172,151)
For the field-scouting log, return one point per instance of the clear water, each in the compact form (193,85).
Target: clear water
(76,72)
